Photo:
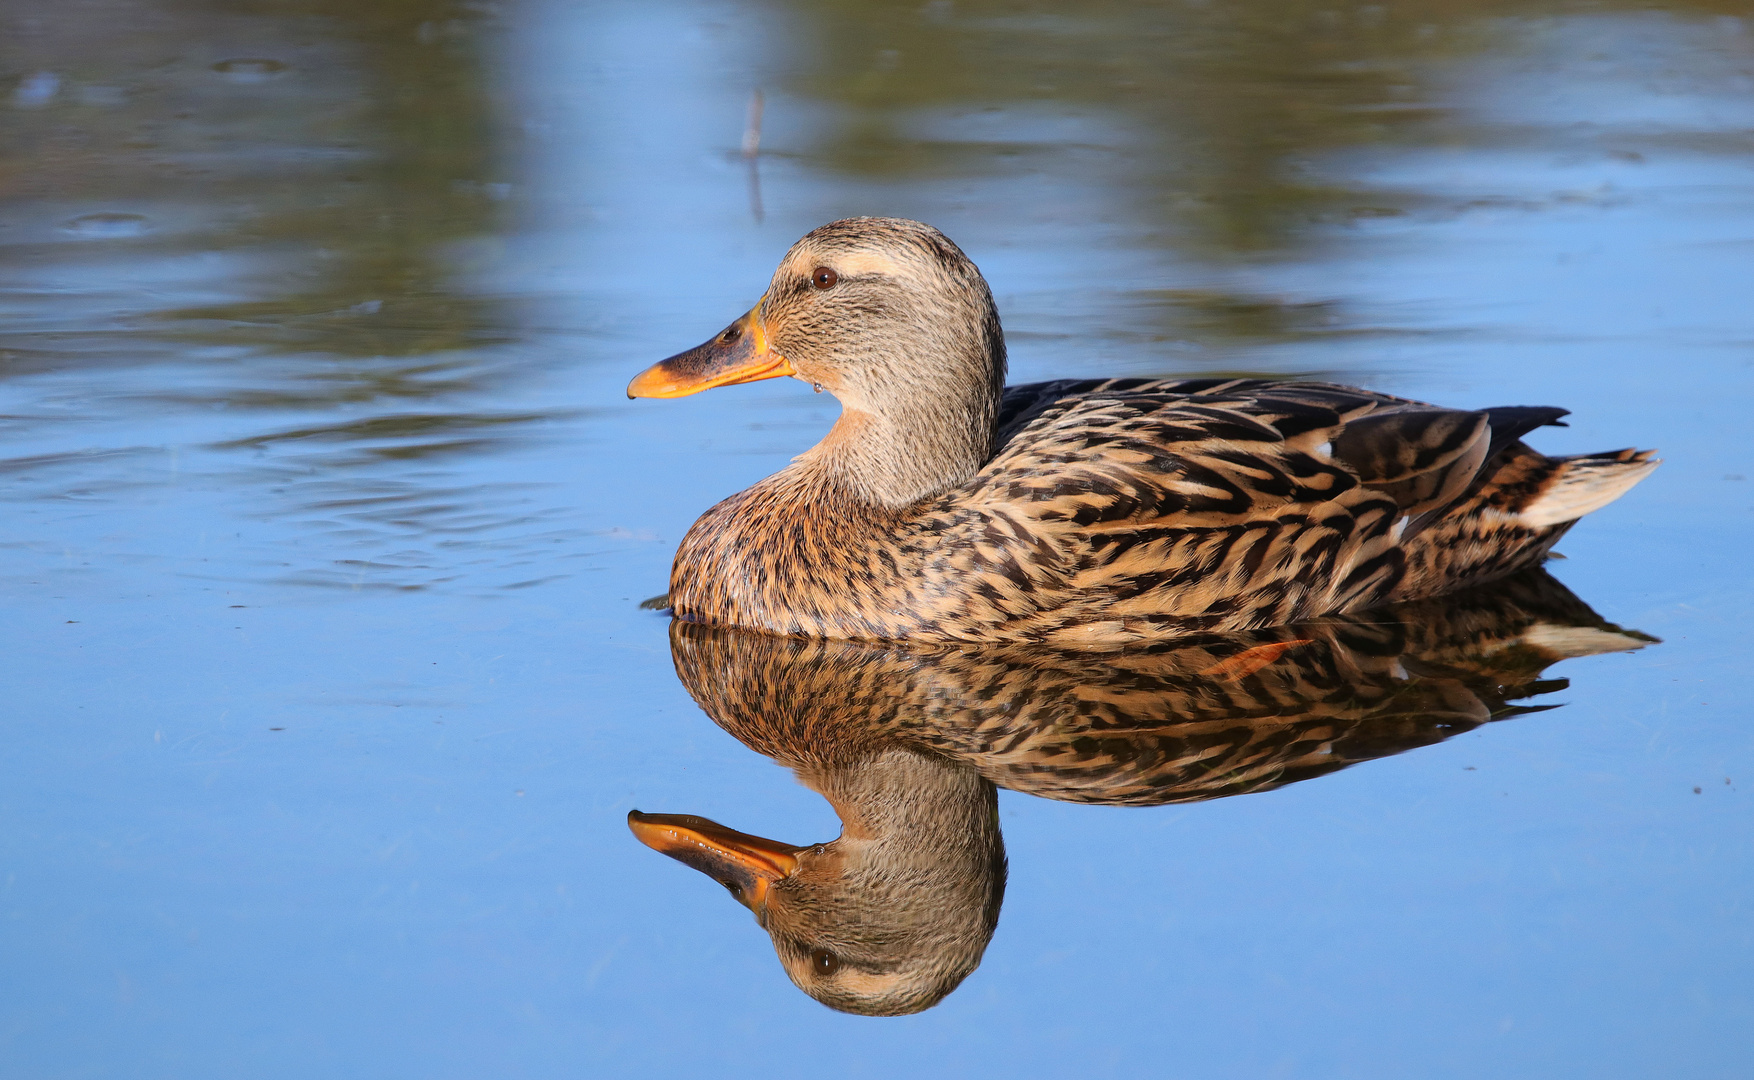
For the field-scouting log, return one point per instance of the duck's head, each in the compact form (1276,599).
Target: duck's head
(883,921)
(895,321)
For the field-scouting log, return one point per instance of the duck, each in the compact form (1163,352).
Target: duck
(1095,513)
(910,744)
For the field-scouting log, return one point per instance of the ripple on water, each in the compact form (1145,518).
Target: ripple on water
(107,226)
(249,69)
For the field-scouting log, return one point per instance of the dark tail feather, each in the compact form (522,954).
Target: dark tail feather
(1511,422)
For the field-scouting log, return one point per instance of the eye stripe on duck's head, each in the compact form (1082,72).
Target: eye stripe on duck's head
(905,252)
(891,296)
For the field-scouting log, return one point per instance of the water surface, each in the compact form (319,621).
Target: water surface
(326,522)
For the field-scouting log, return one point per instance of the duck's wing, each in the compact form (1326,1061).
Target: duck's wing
(1153,507)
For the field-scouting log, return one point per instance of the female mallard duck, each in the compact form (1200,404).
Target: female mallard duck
(944,506)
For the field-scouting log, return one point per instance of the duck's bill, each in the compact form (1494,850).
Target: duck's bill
(746,865)
(739,354)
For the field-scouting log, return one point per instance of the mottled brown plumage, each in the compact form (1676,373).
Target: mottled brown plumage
(908,743)
(1088,514)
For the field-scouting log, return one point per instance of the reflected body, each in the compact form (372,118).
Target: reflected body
(1093,513)
(911,744)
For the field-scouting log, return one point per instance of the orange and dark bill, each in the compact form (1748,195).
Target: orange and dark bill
(746,865)
(739,354)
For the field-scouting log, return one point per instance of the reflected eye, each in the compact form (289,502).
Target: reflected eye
(824,278)
(822,961)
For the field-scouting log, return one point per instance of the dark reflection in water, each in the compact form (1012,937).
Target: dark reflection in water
(1232,114)
(250,236)
(910,747)
(273,204)
(328,172)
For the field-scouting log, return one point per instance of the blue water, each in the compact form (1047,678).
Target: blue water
(326,522)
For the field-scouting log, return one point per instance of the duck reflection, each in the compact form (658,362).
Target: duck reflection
(910,746)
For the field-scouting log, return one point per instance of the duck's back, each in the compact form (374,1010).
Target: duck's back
(1116,511)
(1219,505)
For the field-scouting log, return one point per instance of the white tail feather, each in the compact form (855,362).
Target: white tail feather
(1586,483)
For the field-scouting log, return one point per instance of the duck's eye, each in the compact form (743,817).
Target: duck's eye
(822,961)
(824,278)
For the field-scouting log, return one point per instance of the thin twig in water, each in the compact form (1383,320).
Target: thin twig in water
(752,153)
(752,130)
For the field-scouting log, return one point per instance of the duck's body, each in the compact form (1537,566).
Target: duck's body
(1128,510)
(1088,514)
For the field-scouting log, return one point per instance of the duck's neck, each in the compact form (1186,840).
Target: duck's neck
(895,458)
(919,421)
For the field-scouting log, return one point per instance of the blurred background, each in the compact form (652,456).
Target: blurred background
(326,520)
